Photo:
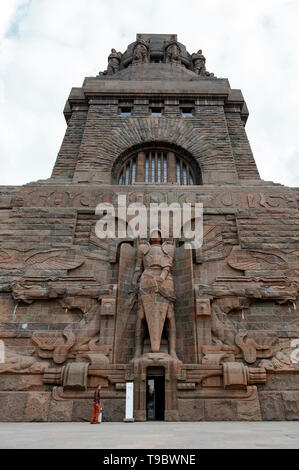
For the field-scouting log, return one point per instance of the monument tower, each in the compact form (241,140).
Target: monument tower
(208,333)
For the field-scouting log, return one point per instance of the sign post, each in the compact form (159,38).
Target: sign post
(129,402)
(2,352)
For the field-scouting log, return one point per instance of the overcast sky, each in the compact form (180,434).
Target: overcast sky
(49,46)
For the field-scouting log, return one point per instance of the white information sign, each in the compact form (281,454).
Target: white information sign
(129,401)
(2,352)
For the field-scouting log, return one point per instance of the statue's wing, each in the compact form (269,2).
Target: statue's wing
(244,260)
(269,258)
(125,315)
(101,243)
(11,259)
(213,247)
(55,259)
(94,255)
(106,250)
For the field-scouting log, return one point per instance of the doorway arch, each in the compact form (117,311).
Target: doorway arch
(155,394)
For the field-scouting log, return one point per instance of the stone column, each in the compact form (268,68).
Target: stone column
(171,402)
(171,167)
(140,168)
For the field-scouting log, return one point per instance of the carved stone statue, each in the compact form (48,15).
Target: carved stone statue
(113,62)
(223,330)
(173,52)
(226,333)
(141,51)
(199,63)
(156,293)
(77,337)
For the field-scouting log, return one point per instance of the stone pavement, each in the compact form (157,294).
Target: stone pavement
(151,435)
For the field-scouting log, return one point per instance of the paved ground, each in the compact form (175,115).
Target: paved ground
(158,435)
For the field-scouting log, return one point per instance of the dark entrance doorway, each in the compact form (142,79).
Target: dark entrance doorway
(155,394)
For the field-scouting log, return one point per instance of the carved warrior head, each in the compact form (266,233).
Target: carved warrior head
(141,45)
(172,47)
(156,237)
(141,51)
(172,51)
(114,55)
(141,40)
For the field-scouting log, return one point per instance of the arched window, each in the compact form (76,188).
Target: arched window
(156,167)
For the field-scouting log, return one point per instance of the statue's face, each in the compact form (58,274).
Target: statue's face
(173,49)
(140,48)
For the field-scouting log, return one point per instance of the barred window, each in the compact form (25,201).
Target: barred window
(156,167)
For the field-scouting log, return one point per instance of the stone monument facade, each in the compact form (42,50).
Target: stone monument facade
(204,334)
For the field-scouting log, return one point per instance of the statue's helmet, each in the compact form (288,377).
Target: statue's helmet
(156,235)
(142,41)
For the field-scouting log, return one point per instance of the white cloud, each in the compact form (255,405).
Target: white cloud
(9,9)
(48,46)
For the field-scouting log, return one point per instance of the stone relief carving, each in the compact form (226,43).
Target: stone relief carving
(230,338)
(17,363)
(199,64)
(265,200)
(30,293)
(245,199)
(287,354)
(113,62)
(141,51)
(172,52)
(254,260)
(90,198)
(29,260)
(280,289)
(53,345)
(78,338)
(213,247)
(155,293)
(58,198)
(225,332)
(251,349)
